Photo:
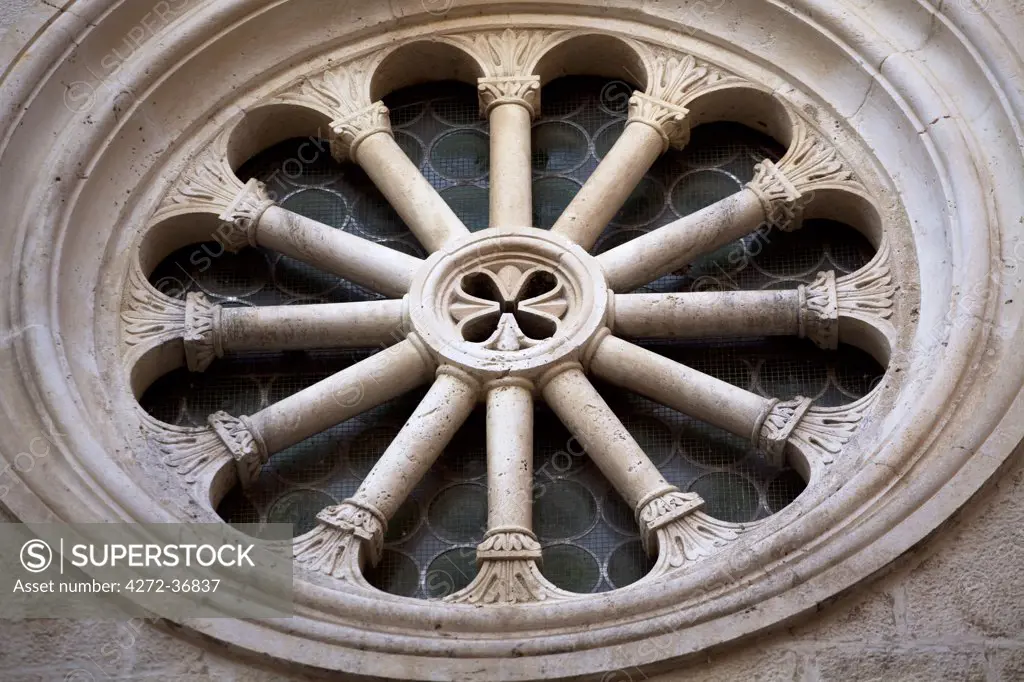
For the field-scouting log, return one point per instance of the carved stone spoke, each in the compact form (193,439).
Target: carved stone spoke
(333,547)
(658,120)
(667,518)
(510,104)
(250,218)
(211,330)
(776,197)
(510,552)
(373,265)
(667,249)
(773,426)
(831,307)
(248,441)
(362,133)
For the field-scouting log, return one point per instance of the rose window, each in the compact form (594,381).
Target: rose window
(574,290)
(580,345)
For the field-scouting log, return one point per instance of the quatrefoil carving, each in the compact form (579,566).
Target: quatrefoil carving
(509,309)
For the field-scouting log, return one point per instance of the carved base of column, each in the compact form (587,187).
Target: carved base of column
(508,572)
(661,508)
(345,536)
(201,338)
(332,552)
(690,539)
(243,442)
(782,201)
(819,311)
(192,451)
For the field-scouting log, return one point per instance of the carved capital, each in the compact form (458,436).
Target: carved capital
(243,214)
(360,521)
(673,82)
(508,571)
(690,539)
(150,318)
(209,185)
(668,119)
(343,532)
(810,164)
(507,544)
(187,450)
(330,551)
(819,311)
(351,130)
(517,581)
(774,432)
(201,332)
(335,93)
(782,202)
(521,90)
(244,444)
(507,53)
(662,511)
(868,293)
(680,79)
(343,96)
(823,431)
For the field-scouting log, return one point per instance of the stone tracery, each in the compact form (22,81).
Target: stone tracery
(582,311)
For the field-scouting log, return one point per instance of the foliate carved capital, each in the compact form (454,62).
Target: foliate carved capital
(244,213)
(243,442)
(351,130)
(668,119)
(508,571)
(511,52)
(868,293)
(811,164)
(516,581)
(335,93)
(342,533)
(521,90)
(690,539)
(187,450)
(777,427)
(355,519)
(330,551)
(782,202)
(150,317)
(664,510)
(679,79)
(208,185)
(823,431)
(201,333)
(819,311)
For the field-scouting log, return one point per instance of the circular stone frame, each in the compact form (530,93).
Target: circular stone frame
(580,282)
(86,159)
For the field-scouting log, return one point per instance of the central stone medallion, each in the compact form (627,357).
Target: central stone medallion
(508,303)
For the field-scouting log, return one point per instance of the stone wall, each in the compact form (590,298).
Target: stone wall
(951,609)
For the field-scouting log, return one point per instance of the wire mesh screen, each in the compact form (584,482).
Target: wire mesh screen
(589,536)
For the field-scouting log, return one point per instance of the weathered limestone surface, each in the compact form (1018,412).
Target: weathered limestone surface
(948,609)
